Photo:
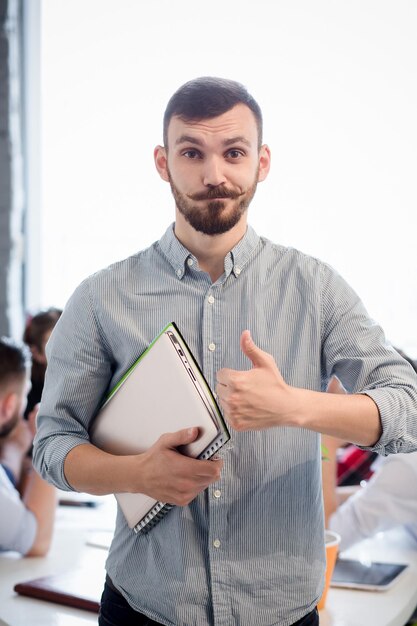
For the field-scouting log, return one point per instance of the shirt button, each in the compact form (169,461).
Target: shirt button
(179,272)
(237,270)
(212,347)
(190,262)
(217,543)
(210,299)
(217,493)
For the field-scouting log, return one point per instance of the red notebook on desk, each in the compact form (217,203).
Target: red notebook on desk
(77,588)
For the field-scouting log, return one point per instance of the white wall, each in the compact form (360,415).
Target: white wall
(337,82)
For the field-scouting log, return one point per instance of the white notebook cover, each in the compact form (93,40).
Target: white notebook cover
(156,396)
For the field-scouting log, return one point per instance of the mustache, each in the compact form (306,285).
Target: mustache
(216,193)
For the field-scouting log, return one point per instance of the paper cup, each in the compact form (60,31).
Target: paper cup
(332,542)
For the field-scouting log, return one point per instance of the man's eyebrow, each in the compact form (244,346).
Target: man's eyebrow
(188,139)
(198,142)
(239,139)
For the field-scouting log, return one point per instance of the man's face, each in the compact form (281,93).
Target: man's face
(213,167)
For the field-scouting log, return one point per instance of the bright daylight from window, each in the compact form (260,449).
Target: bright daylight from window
(337,85)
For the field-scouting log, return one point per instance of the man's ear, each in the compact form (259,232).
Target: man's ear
(161,162)
(8,405)
(264,163)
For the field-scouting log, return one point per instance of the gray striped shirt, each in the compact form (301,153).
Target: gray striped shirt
(249,550)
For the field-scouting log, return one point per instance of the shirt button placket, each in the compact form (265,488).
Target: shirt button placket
(217,516)
(210,312)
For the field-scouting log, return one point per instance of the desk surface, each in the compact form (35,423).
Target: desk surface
(346,607)
(75,526)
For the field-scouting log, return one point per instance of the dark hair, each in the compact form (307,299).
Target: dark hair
(15,360)
(40,324)
(207,97)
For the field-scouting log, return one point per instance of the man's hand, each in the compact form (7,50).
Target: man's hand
(32,419)
(257,398)
(20,438)
(14,448)
(172,477)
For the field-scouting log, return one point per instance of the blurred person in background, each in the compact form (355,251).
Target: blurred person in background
(27,503)
(37,332)
(387,500)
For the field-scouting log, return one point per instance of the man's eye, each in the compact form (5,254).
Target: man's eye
(192,154)
(234,154)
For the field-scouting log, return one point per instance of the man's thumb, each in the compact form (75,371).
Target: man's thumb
(251,350)
(180,437)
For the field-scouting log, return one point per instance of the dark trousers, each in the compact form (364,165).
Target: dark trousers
(115,611)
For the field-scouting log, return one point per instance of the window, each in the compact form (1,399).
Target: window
(336,82)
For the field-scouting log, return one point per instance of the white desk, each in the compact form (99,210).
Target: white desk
(69,550)
(345,607)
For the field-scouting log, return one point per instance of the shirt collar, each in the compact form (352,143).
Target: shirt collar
(179,257)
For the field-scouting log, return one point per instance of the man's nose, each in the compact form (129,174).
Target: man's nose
(213,175)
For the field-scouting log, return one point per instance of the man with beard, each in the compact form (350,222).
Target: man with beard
(245,543)
(26,512)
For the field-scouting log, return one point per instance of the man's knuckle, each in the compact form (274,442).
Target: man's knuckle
(234,379)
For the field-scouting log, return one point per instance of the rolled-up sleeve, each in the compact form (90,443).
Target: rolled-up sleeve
(356,351)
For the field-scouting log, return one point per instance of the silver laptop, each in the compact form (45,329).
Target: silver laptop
(164,391)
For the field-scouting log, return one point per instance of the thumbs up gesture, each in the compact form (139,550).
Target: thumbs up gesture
(257,398)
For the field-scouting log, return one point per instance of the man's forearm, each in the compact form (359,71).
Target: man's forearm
(90,470)
(160,472)
(12,456)
(40,498)
(351,417)
(260,398)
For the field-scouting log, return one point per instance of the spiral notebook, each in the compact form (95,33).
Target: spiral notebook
(164,391)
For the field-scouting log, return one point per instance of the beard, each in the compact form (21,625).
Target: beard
(214,217)
(8,426)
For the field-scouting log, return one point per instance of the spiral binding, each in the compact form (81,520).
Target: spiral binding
(152,518)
